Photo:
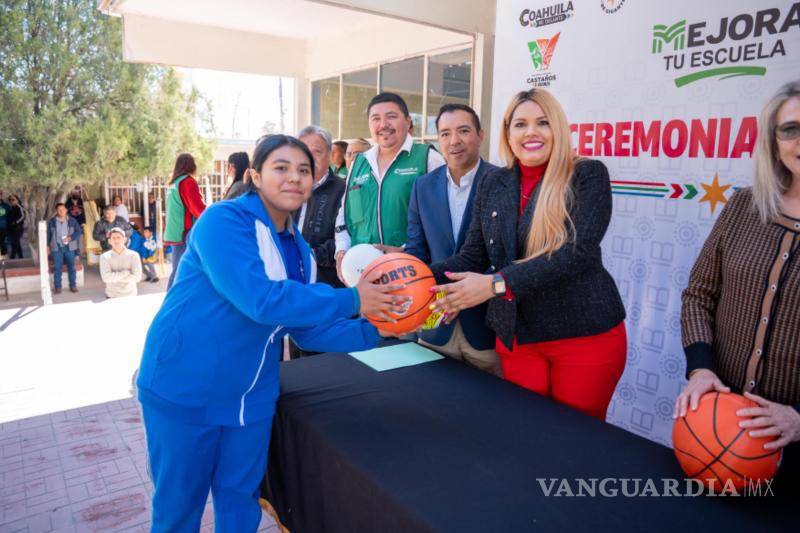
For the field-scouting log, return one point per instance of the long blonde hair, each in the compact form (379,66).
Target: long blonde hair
(772,178)
(551,223)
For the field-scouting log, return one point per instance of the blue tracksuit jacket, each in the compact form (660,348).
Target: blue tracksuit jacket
(212,352)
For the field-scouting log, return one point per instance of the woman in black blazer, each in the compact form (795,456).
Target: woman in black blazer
(533,252)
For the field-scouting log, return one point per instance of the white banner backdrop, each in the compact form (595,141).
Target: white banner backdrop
(666,94)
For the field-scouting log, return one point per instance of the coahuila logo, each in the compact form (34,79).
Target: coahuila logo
(541,51)
(546,15)
(744,38)
(611,6)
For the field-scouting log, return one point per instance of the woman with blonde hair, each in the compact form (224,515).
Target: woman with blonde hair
(533,252)
(740,319)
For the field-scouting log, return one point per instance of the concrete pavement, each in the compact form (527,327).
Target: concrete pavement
(72,450)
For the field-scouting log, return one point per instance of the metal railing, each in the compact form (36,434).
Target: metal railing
(134,196)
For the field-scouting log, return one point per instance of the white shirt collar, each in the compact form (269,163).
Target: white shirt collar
(371,155)
(407,145)
(322,180)
(466,179)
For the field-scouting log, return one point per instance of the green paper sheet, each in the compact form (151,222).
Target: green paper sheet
(397,356)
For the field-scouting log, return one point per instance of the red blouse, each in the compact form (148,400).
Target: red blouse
(530,178)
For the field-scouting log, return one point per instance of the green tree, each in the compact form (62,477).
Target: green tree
(73,113)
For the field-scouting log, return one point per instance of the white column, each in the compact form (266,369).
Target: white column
(482,72)
(207,187)
(44,274)
(146,208)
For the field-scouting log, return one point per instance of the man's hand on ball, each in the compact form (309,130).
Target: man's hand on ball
(377,300)
(772,420)
(700,382)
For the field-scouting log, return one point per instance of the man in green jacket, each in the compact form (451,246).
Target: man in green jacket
(375,205)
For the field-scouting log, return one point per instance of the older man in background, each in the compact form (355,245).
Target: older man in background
(317,218)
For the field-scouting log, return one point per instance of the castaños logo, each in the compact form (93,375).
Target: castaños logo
(721,49)
(546,15)
(611,6)
(541,53)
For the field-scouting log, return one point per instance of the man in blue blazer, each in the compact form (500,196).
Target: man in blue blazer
(439,215)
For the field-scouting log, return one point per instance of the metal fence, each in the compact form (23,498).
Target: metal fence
(212,188)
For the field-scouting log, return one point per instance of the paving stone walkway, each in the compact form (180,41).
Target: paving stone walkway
(72,449)
(79,470)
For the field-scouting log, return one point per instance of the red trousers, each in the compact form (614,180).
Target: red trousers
(581,372)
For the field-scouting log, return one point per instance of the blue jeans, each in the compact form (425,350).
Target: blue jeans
(186,460)
(177,253)
(61,256)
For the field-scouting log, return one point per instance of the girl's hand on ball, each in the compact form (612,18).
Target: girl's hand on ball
(700,382)
(377,300)
(470,289)
(773,420)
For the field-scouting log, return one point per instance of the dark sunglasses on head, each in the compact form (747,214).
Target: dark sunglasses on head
(788,131)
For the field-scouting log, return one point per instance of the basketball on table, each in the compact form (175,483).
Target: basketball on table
(399,268)
(710,445)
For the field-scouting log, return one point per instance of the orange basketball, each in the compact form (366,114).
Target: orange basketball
(403,268)
(710,445)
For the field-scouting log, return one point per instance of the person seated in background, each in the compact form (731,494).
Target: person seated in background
(109,221)
(75,207)
(120,268)
(152,210)
(439,215)
(740,319)
(63,233)
(338,165)
(151,244)
(138,244)
(353,149)
(121,209)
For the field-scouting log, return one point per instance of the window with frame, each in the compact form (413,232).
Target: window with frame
(449,82)
(358,88)
(339,103)
(406,78)
(325,104)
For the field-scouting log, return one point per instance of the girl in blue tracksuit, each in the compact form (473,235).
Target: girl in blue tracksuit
(208,380)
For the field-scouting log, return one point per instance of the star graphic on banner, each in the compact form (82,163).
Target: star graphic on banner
(715,192)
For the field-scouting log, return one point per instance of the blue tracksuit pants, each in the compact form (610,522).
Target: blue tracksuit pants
(187,460)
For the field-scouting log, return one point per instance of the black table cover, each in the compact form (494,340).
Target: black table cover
(444,447)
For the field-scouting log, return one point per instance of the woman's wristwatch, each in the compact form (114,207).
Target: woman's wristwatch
(499,285)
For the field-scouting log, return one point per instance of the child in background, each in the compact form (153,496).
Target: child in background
(138,244)
(148,263)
